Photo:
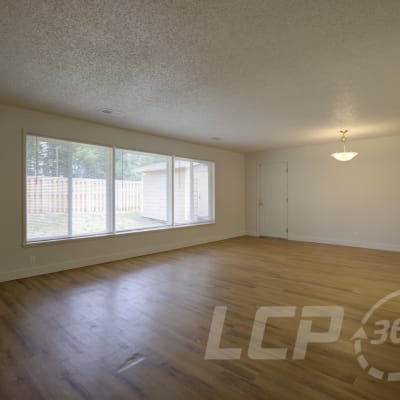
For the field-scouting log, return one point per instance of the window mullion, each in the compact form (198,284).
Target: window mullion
(191,192)
(70,189)
(211,191)
(110,195)
(171,191)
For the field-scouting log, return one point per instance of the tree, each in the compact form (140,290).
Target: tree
(50,157)
(128,163)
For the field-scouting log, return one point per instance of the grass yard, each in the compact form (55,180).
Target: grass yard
(51,225)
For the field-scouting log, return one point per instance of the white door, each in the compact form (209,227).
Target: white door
(273,201)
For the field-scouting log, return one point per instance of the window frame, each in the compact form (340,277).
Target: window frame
(110,194)
(70,183)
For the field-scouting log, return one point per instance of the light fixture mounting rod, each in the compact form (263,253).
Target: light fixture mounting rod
(344,138)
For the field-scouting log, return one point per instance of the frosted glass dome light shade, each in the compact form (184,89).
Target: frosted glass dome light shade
(344,156)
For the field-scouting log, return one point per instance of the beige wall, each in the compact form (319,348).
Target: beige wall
(355,203)
(16,260)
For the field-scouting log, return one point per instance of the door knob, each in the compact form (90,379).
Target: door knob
(260,203)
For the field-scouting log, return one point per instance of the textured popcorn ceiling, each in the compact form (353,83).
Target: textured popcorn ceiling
(257,74)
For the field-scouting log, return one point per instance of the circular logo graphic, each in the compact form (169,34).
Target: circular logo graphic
(385,331)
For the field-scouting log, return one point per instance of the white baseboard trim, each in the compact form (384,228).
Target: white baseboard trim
(87,261)
(364,245)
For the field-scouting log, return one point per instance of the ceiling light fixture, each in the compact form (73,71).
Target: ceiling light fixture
(344,155)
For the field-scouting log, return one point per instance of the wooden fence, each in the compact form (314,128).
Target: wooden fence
(50,195)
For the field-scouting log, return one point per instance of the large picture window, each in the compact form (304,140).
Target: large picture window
(77,189)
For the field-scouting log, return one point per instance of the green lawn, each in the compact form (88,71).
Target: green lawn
(56,224)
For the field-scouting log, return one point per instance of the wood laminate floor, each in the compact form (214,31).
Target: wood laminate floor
(138,328)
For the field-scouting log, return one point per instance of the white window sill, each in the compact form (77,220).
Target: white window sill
(113,235)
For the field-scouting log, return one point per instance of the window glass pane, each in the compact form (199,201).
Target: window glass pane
(182,192)
(90,166)
(46,188)
(141,190)
(192,197)
(66,188)
(201,195)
